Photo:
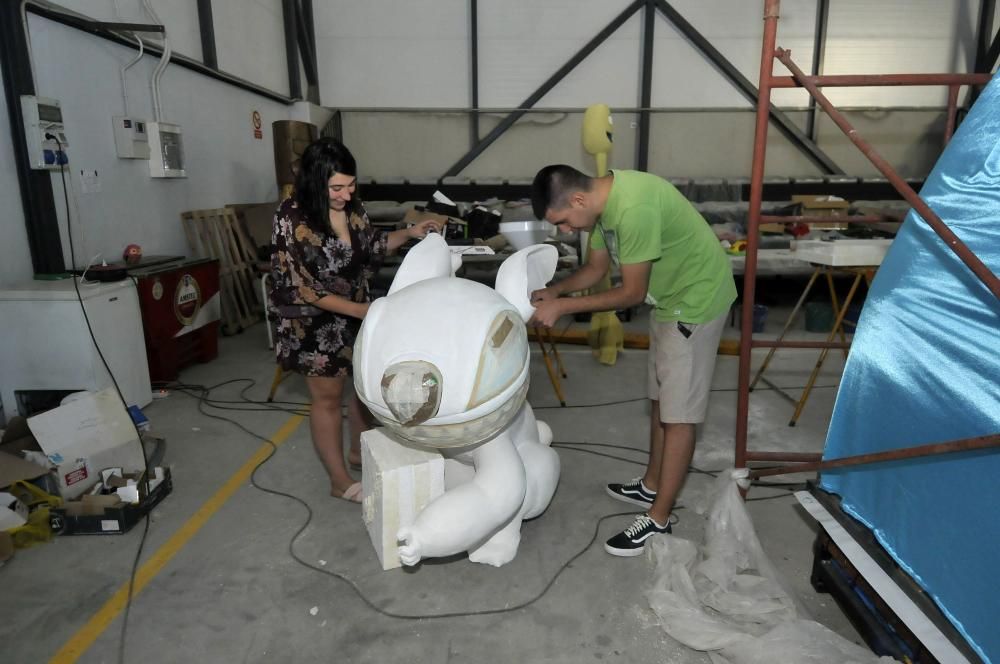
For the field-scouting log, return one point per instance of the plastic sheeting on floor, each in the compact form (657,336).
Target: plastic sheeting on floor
(724,597)
(924,367)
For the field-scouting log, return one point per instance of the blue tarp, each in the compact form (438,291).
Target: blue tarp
(924,367)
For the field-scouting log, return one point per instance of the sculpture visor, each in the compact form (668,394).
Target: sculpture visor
(443,361)
(470,375)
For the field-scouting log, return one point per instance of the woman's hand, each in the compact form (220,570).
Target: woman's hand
(419,230)
(361,309)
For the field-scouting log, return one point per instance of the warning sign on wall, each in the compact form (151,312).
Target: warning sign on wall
(256,122)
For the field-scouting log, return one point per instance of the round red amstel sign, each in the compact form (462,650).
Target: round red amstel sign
(187,299)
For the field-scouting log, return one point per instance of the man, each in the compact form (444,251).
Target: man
(668,255)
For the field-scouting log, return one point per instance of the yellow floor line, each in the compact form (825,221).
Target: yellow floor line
(85,637)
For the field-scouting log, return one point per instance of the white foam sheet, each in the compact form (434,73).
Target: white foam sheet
(894,597)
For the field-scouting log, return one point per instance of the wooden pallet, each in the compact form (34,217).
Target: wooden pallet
(217,234)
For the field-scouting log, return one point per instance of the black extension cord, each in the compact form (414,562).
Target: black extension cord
(121,397)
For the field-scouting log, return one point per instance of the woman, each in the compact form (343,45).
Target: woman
(325,254)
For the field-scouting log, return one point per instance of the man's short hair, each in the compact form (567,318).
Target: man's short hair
(554,185)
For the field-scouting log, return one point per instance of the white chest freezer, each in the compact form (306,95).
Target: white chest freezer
(46,345)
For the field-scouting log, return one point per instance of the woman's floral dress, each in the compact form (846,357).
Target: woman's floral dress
(305,266)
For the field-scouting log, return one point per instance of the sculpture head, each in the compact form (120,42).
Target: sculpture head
(443,361)
(597,135)
(597,130)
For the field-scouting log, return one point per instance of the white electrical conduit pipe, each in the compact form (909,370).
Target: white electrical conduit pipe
(126,68)
(122,70)
(154,82)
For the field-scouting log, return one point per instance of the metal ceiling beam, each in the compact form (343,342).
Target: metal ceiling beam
(987,49)
(987,9)
(819,55)
(788,128)
(289,15)
(206,26)
(991,55)
(552,81)
(646,91)
(307,46)
(77,23)
(127,27)
(474,71)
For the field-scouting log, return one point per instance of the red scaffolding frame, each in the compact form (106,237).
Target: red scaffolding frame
(770,53)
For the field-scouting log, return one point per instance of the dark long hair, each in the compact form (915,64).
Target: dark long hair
(320,160)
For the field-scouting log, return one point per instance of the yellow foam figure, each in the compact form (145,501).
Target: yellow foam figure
(606,335)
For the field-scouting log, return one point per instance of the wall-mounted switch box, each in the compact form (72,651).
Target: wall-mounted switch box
(166,150)
(42,118)
(131,137)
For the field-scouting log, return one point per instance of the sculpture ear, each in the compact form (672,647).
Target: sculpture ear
(526,271)
(428,259)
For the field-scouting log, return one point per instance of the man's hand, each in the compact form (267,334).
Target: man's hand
(544,294)
(547,312)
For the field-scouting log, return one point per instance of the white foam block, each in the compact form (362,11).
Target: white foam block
(842,253)
(398,482)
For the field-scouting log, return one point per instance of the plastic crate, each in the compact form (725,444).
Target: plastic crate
(114,520)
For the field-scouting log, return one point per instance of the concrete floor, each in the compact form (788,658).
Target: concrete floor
(229,591)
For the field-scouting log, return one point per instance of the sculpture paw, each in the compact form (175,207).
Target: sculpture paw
(498,550)
(409,549)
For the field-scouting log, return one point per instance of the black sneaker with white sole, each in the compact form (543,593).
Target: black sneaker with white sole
(632,540)
(634,492)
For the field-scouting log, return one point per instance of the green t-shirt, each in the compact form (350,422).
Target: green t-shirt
(647,219)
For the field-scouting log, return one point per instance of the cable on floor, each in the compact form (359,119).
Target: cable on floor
(201,395)
(634,399)
(350,583)
(121,397)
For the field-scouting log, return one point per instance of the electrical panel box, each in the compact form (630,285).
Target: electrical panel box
(166,150)
(43,116)
(131,139)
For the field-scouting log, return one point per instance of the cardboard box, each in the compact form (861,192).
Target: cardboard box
(84,436)
(452,227)
(129,487)
(17,436)
(14,468)
(13,513)
(417,214)
(91,505)
(824,206)
(6,547)
(108,514)
(257,220)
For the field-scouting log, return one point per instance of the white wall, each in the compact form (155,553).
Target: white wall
(224,162)
(390,53)
(416,55)
(250,41)
(522,43)
(900,37)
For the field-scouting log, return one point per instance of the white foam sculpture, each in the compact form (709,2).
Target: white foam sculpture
(442,362)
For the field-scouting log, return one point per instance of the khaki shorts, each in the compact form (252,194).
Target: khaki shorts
(681,368)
